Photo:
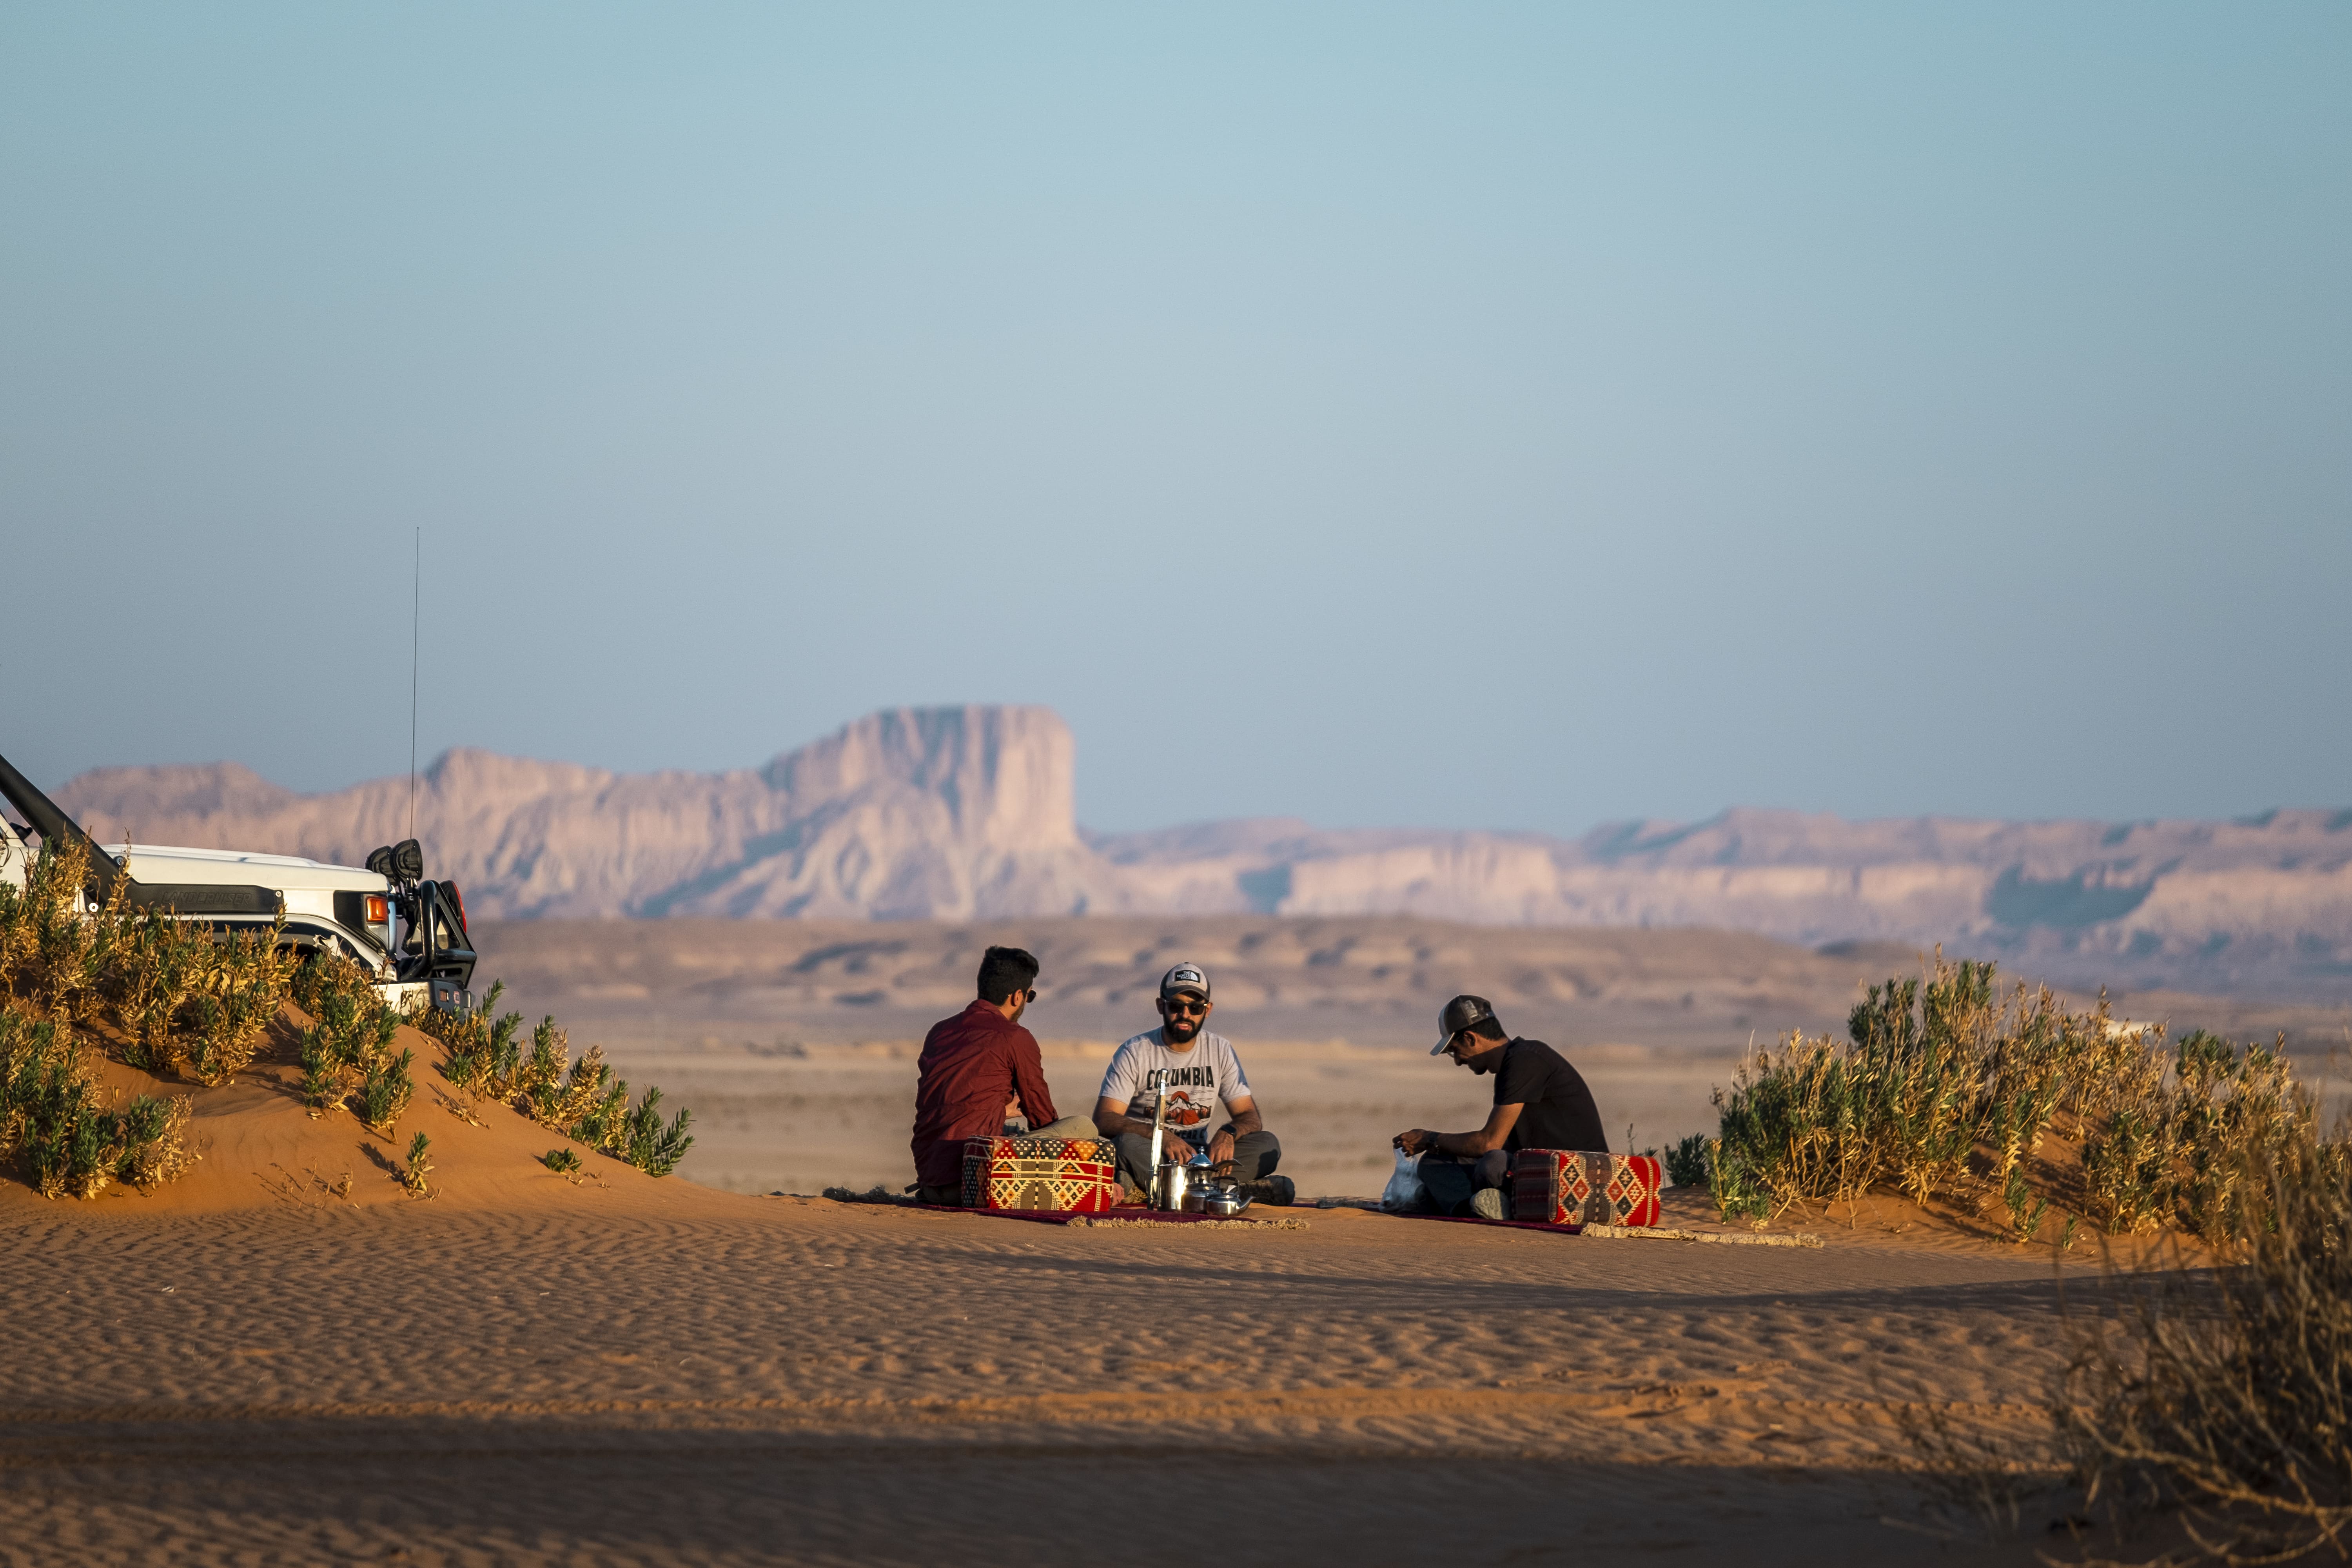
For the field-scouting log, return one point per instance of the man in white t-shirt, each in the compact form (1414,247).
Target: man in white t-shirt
(1199,1069)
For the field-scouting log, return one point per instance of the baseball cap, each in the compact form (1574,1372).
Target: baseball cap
(1185,977)
(1459,1015)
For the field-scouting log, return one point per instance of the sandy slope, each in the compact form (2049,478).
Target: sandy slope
(731,1379)
(259,1146)
(251,1367)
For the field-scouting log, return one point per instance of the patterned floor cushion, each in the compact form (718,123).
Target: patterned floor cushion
(1565,1187)
(1064,1175)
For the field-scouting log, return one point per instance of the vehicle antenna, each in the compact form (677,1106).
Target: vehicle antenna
(415,621)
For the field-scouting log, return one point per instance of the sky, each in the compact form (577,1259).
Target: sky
(1468,416)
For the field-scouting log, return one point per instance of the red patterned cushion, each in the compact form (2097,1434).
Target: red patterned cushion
(1063,1175)
(1565,1187)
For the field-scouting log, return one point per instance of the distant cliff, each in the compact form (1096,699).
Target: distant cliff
(968,813)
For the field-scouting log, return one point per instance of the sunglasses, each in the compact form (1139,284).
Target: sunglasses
(1184,1005)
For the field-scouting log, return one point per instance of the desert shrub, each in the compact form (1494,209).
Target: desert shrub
(1942,1087)
(184,999)
(52,1123)
(420,1167)
(1686,1161)
(346,1053)
(484,1052)
(561,1161)
(579,1098)
(2227,1393)
(236,1000)
(52,954)
(159,964)
(646,1143)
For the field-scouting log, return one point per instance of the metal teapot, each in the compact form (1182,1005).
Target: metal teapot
(1183,1183)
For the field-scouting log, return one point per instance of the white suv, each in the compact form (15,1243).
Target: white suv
(336,909)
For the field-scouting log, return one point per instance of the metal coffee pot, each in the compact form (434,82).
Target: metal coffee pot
(1181,1182)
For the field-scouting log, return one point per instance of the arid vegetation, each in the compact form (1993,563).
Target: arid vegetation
(347,1057)
(2224,1387)
(2226,1393)
(581,1098)
(63,970)
(176,999)
(181,1001)
(2009,1106)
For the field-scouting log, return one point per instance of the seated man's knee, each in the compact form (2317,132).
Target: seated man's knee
(1494,1168)
(1135,1157)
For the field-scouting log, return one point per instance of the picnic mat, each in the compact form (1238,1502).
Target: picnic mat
(1655,1233)
(1121,1216)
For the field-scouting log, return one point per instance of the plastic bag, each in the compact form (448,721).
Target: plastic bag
(1404,1193)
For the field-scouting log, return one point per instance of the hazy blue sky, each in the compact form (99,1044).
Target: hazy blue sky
(1476,416)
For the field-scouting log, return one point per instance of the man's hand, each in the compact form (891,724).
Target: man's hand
(1221,1149)
(1414,1141)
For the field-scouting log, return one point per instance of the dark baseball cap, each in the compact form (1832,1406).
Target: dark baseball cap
(1185,977)
(1459,1015)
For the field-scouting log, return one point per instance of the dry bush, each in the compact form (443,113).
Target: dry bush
(1945,1088)
(2227,1394)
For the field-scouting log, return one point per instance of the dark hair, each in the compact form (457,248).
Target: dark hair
(1489,1029)
(1003,970)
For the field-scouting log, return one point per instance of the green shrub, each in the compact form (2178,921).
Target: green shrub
(185,999)
(581,1098)
(419,1168)
(51,1121)
(1943,1089)
(346,1054)
(1686,1161)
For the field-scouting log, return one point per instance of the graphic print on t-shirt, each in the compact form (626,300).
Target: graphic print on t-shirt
(1192,1097)
(1197,1081)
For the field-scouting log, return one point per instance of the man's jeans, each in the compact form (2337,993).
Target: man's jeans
(1448,1182)
(1255,1154)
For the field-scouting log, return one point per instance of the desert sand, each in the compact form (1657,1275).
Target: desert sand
(716,1378)
(263,1362)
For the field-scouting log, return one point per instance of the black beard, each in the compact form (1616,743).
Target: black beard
(1176,1033)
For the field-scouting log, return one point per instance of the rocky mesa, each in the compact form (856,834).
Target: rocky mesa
(968,813)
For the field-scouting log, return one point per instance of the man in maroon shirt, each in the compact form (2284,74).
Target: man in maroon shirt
(978,1069)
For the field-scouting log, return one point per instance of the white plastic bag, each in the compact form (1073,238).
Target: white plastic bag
(1404,1193)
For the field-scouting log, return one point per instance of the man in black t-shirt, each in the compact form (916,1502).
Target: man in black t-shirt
(1540,1102)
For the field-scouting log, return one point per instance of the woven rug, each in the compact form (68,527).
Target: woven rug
(1130,1216)
(1476,1219)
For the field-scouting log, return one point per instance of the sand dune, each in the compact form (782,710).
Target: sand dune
(737,1379)
(258,1364)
